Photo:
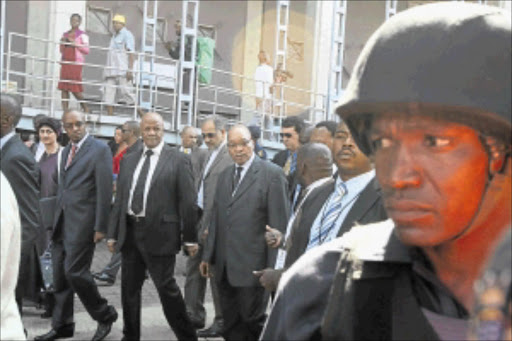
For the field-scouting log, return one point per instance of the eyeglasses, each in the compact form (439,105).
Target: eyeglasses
(244,143)
(287,135)
(209,135)
(78,124)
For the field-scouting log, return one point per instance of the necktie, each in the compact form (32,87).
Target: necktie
(71,155)
(186,150)
(287,165)
(331,214)
(138,193)
(237,178)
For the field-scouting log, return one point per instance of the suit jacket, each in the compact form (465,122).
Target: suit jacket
(20,168)
(280,160)
(368,208)
(171,201)
(85,192)
(198,157)
(236,238)
(221,162)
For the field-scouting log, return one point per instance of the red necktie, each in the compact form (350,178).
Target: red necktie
(71,155)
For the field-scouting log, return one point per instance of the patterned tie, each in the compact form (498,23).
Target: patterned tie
(331,214)
(71,155)
(138,193)
(237,178)
(287,165)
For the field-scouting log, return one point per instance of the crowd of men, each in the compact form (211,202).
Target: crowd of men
(379,226)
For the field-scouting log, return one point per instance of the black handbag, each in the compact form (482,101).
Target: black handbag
(46,265)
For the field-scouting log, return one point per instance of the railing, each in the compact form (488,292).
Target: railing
(40,77)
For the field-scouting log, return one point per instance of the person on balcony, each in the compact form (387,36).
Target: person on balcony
(118,71)
(74,46)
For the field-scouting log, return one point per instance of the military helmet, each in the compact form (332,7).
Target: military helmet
(451,59)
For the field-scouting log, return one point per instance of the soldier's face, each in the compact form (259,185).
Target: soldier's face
(433,175)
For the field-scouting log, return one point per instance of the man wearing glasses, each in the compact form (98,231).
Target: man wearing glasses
(81,221)
(250,195)
(214,134)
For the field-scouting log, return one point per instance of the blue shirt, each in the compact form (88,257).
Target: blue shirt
(354,187)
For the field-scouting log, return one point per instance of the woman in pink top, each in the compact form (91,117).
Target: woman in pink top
(74,45)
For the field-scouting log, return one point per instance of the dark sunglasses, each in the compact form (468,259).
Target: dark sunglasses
(288,135)
(209,135)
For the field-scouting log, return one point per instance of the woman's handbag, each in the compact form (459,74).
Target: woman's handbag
(46,264)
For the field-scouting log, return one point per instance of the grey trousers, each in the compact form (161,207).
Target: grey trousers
(195,289)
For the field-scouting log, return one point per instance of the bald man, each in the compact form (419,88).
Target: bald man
(250,195)
(155,198)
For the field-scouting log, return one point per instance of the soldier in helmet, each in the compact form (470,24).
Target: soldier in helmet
(430,102)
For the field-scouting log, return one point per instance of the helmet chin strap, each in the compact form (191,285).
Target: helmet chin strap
(496,165)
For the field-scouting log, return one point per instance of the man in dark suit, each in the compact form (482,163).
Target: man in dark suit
(292,129)
(331,210)
(189,146)
(20,168)
(131,136)
(155,197)
(213,129)
(83,202)
(250,195)
(314,169)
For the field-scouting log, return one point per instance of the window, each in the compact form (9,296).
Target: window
(98,20)
(161,29)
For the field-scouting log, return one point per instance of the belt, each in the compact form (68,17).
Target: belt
(131,219)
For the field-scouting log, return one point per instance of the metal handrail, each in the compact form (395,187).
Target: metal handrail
(31,75)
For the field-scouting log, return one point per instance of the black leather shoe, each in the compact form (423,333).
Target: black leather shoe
(104,328)
(63,332)
(105,279)
(214,330)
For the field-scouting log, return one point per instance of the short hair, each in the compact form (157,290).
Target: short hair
(242,128)
(134,126)
(329,125)
(185,128)
(315,153)
(305,135)
(255,132)
(50,122)
(11,106)
(76,15)
(218,121)
(294,121)
(120,127)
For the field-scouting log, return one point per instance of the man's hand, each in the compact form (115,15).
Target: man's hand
(204,269)
(111,245)
(269,278)
(98,236)
(192,249)
(273,237)
(129,76)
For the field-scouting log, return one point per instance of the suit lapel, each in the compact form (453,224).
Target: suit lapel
(164,156)
(220,154)
(130,165)
(249,178)
(368,197)
(81,151)
(314,204)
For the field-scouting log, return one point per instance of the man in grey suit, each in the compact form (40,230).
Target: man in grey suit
(20,168)
(213,129)
(250,195)
(155,197)
(81,221)
(189,146)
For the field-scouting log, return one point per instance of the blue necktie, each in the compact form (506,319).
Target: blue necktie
(331,214)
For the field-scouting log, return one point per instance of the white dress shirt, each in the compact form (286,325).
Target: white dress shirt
(39,151)
(281,253)
(245,168)
(213,156)
(354,188)
(152,165)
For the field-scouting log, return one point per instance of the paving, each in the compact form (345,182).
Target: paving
(154,325)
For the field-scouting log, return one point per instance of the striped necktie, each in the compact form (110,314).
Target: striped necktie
(330,216)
